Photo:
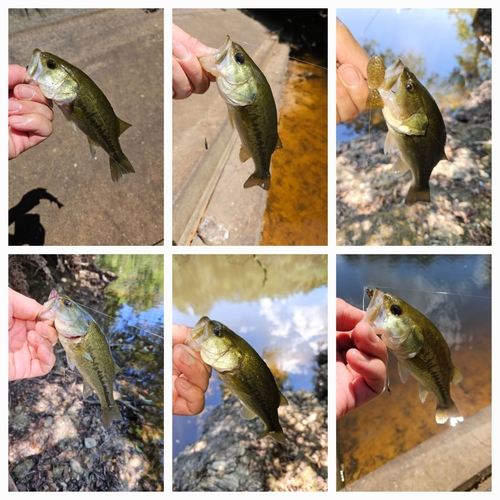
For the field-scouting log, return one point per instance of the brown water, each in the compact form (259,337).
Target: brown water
(296,211)
(394,423)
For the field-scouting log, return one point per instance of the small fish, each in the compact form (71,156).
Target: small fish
(242,370)
(251,107)
(83,104)
(419,347)
(87,349)
(416,126)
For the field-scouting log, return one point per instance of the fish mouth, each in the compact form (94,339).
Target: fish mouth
(215,62)
(71,338)
(50,307)
(35,68)
(374,307)
(195,336)
(199,328)
(392,75)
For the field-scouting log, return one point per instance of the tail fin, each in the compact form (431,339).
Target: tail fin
(119,167)
(444,412)
(257,179)
(417,194)
(110,414)
(278,435)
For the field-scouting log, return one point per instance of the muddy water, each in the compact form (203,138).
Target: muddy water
(394,423)
(296,211)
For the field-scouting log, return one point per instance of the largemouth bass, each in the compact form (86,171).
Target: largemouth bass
(416,126)
(251,107)
(243,371)
(83,104)
(419,348)
(87,349)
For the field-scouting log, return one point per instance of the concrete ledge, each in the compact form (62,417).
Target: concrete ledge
(455,460)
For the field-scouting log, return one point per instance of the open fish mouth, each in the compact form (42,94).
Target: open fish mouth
(218,57)
(197,334)
(218,61)
(34,69)
(374,307)
(392,74)
(50,307)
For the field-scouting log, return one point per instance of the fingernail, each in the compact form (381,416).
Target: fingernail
(35,338)
(14,105)
(350,76)
(180,51)
(186,357)
(25,91)
(185,384)
(19,120)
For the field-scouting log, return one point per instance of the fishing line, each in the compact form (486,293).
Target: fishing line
(369,23)
(437,292)
(293,58)
(113,318)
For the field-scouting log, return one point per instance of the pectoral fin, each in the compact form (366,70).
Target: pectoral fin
(415,125)
(86,355)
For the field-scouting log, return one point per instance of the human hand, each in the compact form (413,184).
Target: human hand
(30,114)
(361,360)
(190,375)
(30,340)
(352,89)
(188,76)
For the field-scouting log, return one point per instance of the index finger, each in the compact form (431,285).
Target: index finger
(347,316)
(22,307)
(16,75)
(179,334)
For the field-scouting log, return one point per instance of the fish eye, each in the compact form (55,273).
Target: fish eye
(68,303)
(240,58)
(217,330)
(51,64)
(396,310)
(410,87)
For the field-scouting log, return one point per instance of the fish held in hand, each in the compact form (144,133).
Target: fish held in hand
(242,370)
(251,107)
(87,349)
(416,127)
(84,104)
(419,347)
